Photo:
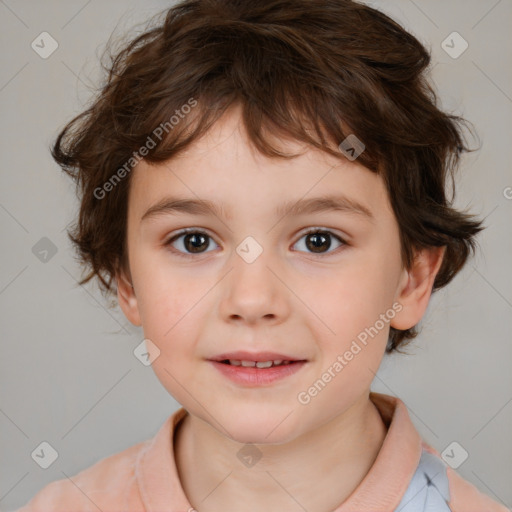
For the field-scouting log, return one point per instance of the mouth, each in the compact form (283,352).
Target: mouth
(257,369)
(258,364)
(256,359)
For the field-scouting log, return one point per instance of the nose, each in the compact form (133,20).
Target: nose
(254,291)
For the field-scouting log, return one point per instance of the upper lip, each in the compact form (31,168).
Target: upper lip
(241,355)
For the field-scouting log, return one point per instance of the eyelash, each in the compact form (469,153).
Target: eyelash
(188,231)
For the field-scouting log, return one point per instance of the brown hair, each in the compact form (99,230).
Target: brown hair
(310,70)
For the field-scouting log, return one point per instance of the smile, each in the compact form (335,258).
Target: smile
(256,364)
(261,373)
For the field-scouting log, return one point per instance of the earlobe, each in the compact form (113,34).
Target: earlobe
(127,299)
(415,287)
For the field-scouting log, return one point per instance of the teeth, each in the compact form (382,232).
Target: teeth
(264,364)
(259,364)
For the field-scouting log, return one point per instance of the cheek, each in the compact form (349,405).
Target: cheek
(164,295)
(350,303)
(355,293)
(169,312)
(165,315)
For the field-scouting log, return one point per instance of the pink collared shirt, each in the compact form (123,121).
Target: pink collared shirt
(144,477)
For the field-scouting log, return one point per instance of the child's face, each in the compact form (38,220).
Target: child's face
(290,300)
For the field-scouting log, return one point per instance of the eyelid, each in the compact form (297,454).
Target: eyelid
(323,229)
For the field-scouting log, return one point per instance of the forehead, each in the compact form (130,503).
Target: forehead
(224,169)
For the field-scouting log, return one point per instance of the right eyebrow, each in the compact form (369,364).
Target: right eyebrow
(171,205)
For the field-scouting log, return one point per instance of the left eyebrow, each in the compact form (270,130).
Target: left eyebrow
(174,205)
(325,203)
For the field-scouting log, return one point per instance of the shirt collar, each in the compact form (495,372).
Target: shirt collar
(384,485)
(381,489)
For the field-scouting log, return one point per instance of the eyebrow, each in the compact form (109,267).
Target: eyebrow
(174,205)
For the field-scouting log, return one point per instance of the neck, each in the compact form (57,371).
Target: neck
(332,460)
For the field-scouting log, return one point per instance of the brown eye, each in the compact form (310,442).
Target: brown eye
(195,242)
(319,242)
(190,242)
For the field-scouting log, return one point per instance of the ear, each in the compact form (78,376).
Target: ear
(415,287)
(127,298)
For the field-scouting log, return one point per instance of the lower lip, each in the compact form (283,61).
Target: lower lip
(252,376)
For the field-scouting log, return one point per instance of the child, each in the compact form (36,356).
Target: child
(300,143)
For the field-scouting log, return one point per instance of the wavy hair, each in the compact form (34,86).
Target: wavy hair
(310,70)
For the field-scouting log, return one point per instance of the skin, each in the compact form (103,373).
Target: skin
(289,300)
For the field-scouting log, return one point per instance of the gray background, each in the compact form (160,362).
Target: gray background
(68,373)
